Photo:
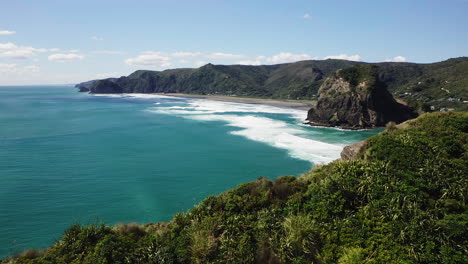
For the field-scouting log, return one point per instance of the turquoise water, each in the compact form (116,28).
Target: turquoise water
(68,157)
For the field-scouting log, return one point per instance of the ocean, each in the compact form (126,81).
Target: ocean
(69,157)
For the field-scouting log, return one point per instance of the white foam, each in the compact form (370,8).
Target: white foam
(274,132)
(151,96)
(139,95)
(227,107)
(278,134)
(107,95)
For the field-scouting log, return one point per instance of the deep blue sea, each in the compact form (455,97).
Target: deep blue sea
(69,157)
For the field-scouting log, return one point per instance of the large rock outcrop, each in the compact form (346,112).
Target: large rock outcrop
(105,86)
(355,98)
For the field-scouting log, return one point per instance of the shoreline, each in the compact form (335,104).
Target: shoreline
(295,104)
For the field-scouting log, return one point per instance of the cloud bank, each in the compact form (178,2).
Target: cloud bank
(397,59)
(150,58)
(163,60)
(65,57)
(345,57)
(17,69)
(13,51)
(7,32)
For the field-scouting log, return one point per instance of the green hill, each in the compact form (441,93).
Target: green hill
(440,85)
(403,200)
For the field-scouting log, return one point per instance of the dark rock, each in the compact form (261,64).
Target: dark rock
(355,98)
(105,86)
(352,151)
(85,86)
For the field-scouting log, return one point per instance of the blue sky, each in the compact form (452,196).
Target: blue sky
(52,42)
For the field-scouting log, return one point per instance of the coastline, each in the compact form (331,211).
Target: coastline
(296,104)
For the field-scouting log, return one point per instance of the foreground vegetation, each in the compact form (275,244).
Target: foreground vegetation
(402,201)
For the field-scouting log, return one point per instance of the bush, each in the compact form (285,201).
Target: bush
(403,201)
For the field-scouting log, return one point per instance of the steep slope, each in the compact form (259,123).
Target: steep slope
(402,200)
(440,85)
(355,97)
(430,87)
(290,80)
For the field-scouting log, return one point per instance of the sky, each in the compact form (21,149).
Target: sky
(66,42)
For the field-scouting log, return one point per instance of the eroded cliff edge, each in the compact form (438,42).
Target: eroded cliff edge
(355,98)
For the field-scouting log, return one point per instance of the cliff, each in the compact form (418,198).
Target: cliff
(430,87)
(356,98)
(401,200)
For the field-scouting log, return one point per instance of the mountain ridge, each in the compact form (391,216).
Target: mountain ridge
(429,87)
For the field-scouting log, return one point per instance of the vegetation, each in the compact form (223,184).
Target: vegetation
(429,87)
(360,74)
(402,201)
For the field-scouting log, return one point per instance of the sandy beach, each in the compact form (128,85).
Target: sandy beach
(296,104)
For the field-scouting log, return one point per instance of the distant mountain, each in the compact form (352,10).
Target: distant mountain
(434,86)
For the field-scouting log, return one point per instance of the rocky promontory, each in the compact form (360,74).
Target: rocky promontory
(355,98)
(429,87)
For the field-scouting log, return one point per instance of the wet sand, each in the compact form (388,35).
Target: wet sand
(296,104)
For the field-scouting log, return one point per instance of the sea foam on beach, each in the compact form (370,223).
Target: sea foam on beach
(253,124)
(279,127)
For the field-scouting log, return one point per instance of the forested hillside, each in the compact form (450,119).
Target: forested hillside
(429,87)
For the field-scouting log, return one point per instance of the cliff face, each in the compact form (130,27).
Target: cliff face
(435,86)
(355,98)
(105,86)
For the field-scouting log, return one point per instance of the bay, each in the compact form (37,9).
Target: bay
(69,157)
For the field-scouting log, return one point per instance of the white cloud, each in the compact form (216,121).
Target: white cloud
(110,52)
(200,63)
(196,59)
(29,75)
(107,75)
(150,58)
(345,57)
(7,67)
(13,51)
(32,68)
(220,55)
(250,62)
(97,38)
(65,57)
(397,59)
(74,51)
(7,32)
(285,57)
(183,54)
(17,69)
(306,16)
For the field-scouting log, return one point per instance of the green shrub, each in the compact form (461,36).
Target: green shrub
(403,201)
